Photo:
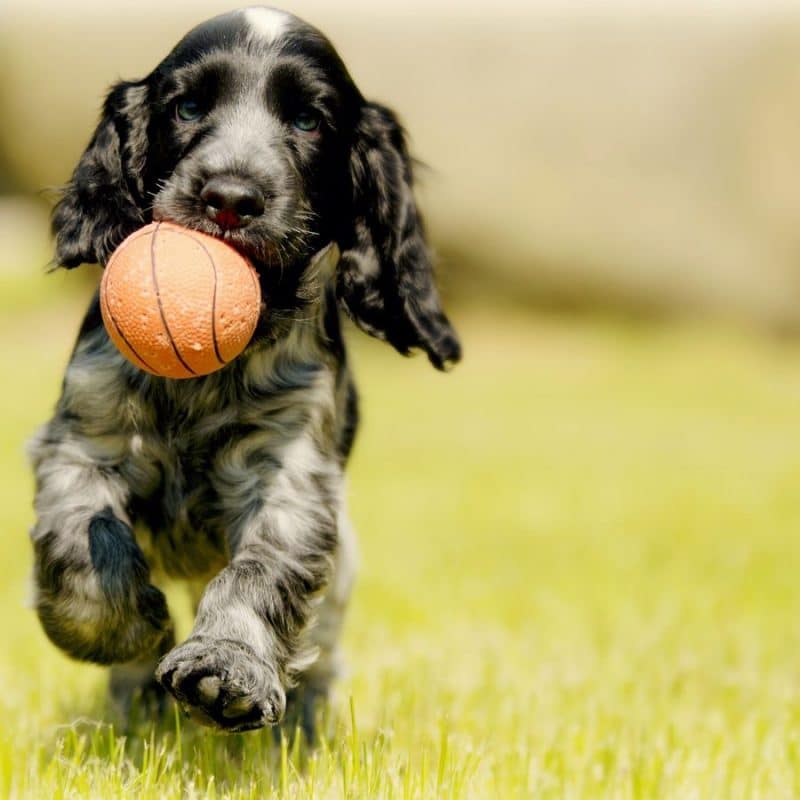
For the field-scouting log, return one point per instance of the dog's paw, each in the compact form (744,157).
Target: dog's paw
(105,609)
(132,703)
(90,628)
(304,706)
(223,683)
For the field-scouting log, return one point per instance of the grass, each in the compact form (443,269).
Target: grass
(580,578)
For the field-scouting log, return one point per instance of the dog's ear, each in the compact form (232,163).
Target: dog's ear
(102,202)
(385,278)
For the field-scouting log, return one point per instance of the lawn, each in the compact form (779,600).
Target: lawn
(580,578)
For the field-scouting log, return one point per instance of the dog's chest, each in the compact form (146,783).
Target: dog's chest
(194,454)
(205,456)
(174,504)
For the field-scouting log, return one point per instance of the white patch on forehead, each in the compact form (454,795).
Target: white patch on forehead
(267,23)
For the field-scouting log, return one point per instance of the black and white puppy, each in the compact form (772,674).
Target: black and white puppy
(251,130)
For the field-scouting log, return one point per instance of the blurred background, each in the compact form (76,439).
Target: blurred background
(637,156)
(579,549)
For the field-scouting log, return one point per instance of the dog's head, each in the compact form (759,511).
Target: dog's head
(252,130)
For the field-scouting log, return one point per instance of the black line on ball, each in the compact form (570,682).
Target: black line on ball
(221,360)
(214,312)
(158,297)
(119,330)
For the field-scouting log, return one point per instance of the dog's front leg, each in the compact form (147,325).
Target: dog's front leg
(92,587)
(233,670)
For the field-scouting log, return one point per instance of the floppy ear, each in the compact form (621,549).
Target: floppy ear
(103,201)
(385,278)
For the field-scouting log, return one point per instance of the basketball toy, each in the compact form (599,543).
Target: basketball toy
(179,303)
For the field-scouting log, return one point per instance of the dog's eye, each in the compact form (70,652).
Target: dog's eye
(306,121)
(188,110)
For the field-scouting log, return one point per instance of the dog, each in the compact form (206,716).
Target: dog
(252,130)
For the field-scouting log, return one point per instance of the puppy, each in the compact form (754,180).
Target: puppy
(251,130)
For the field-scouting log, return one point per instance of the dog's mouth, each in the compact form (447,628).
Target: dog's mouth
(259,248)
(292,273)
(270,248)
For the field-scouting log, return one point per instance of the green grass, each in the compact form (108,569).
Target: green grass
(580,578)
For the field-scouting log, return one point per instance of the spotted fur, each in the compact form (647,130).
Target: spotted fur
(233,481)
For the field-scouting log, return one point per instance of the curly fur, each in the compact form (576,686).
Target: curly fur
(234,480)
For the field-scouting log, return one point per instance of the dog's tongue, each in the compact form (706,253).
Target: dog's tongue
(227,218)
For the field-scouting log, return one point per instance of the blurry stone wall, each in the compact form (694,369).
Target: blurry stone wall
(625,158)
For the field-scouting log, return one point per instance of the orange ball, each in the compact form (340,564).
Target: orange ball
(179,303)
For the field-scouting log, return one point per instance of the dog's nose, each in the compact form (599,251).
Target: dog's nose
(232,202)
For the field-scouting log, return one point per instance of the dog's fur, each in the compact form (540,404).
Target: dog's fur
(235,480)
